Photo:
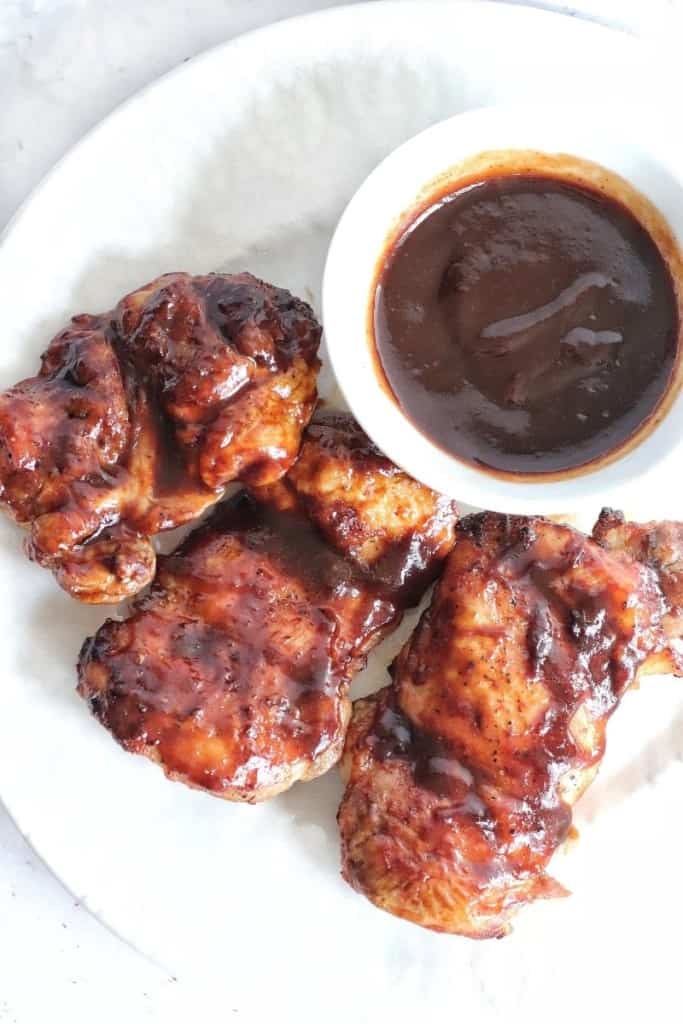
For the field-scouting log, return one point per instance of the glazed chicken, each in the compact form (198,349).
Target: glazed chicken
(461,775)
(659,545)
(366,507)
(233,673)
(139,418)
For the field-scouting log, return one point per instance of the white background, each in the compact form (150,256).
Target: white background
(64,64)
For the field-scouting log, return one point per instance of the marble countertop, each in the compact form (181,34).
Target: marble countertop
(64,64)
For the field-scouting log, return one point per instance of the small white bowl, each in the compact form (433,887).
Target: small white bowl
(644,479)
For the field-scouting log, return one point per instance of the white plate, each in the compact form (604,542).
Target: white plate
(244,158)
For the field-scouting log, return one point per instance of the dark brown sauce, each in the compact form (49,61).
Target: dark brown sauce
(527,324)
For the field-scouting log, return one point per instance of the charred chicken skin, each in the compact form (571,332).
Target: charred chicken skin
(233,672)
(139,418)
(461,775)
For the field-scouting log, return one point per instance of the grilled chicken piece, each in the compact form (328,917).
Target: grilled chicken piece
(365,506)
(139,418)
(462,774)
(233,673)
(659,545)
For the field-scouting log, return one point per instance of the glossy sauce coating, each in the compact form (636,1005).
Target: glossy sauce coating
(140,417)
(234,671)
(231,669)
(462,774)
(526,324)
(366,507)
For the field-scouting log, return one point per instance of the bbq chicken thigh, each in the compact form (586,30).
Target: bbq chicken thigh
(461,775)
(233,673)
(139,418)
(659,545)
(366,507)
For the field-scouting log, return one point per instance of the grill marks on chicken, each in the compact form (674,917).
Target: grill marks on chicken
(365,506)
(462,774)
(233,673)
(139,418)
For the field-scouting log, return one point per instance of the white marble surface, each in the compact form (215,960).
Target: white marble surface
(64,64)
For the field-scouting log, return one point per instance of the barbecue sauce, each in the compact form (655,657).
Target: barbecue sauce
(527,324)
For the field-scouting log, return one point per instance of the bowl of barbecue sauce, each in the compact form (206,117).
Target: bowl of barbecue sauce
(503,304)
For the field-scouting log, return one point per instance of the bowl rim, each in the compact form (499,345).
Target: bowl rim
(349,287)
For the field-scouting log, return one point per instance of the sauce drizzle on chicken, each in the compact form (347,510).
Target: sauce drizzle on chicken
(462,774)
(140,417)
(234,671)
